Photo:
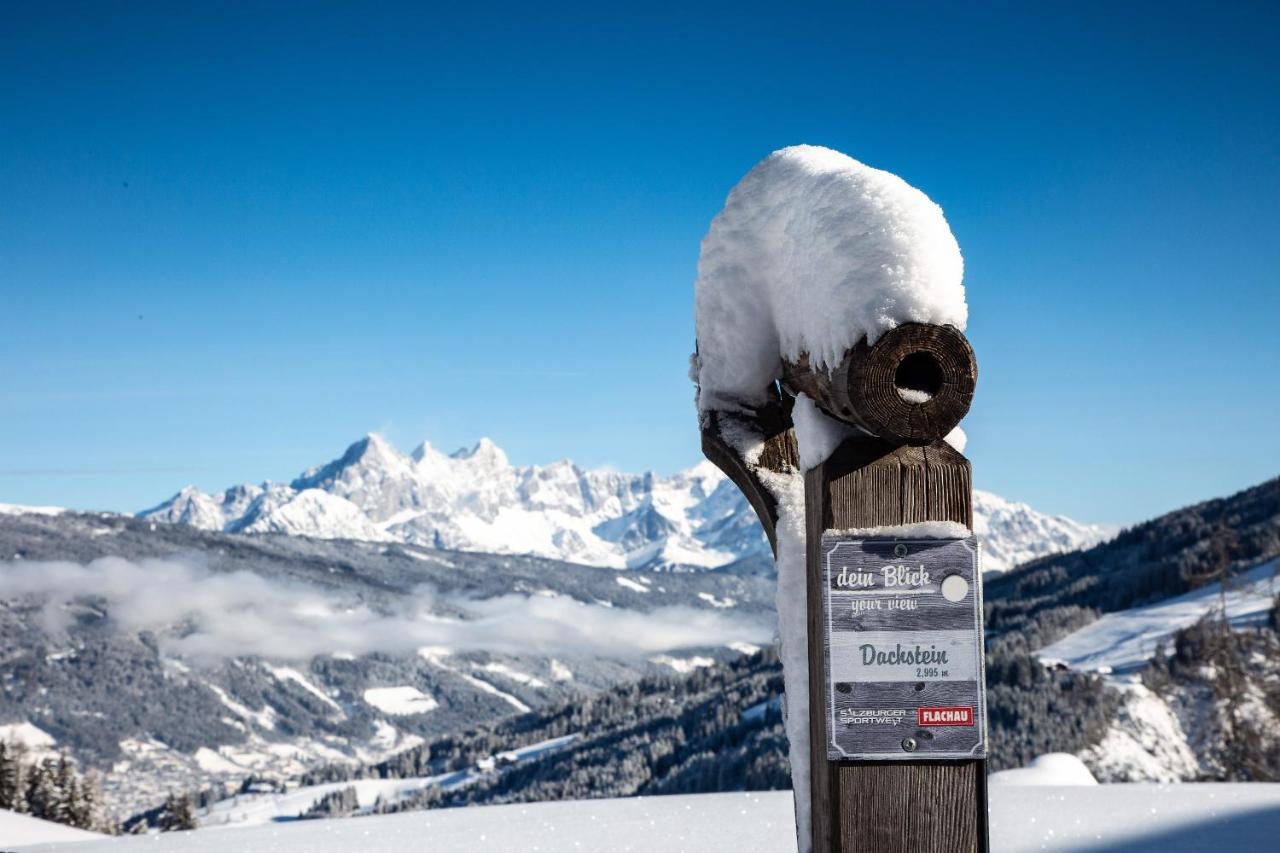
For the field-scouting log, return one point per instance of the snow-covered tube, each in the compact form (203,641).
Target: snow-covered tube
(912,386)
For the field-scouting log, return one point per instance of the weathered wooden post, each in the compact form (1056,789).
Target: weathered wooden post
(892,590)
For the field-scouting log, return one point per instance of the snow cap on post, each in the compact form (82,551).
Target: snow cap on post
(814,258)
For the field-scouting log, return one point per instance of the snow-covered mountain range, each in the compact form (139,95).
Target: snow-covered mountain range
(476,500)
(1013,533)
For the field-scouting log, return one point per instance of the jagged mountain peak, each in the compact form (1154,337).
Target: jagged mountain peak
(1014,533)
(371,452)
(475,500)
(484,452)
(424,450)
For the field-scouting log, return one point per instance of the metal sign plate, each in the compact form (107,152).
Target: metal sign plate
(903,648)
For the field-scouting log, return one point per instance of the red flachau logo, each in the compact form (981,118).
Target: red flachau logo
(958,716)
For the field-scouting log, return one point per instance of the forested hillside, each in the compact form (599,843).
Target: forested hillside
(658,735)
(1166,556)
(717,729)
(105,678)
(1036,708)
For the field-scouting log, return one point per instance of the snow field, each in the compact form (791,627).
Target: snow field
(400,701)
(684,666)
(628,583)
(1190,818)
(20,829)
(256,809)
(1056,768)
(34,738)
(20,509)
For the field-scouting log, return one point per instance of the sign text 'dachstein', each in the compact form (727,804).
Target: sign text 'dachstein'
(903,648)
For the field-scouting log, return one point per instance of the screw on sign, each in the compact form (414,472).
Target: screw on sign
(832,373)
(902,647)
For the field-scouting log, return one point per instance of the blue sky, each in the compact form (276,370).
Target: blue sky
(233,240)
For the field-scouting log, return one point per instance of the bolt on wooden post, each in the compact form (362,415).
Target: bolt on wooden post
(896,687)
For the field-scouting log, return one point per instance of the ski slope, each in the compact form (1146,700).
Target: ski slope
(1125,640)
(1089,819)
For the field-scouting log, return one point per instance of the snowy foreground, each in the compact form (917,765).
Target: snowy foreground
(23,829)
(1128,818)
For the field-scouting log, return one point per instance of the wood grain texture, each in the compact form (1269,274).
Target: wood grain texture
(933,363)
(886,807)
(916,806)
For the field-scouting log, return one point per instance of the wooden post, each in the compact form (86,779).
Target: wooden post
(906,392)
(886,806)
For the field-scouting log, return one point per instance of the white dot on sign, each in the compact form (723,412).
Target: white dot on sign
(955,588)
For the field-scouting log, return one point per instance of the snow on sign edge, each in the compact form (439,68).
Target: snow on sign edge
(812,251)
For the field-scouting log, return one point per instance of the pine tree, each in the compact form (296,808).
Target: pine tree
(66,786)
(13,791)
(186,816)
(165,820)
(42,793)
(6,786)
(177,814)
(81,807)
(90,812)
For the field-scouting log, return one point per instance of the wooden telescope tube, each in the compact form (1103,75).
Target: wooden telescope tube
(911,387)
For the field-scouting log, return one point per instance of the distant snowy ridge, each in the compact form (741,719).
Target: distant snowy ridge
(1014,533)
(19,509)
(476,500)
